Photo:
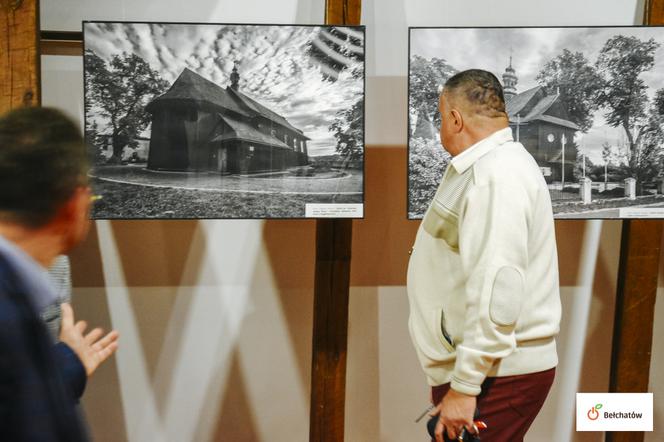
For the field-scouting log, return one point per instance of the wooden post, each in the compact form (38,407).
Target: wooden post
(328,371)
(654,12)
(331,287)
(343,12)
(19,59)
(635,310)
(636,293)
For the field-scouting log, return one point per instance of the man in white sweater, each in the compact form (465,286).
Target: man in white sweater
(483,274)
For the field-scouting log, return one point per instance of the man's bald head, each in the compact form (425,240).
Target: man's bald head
(476,92)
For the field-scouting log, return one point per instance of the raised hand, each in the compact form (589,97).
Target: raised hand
(92,348)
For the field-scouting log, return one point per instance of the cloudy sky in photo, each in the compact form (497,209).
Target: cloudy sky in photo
(274,67)
(531,49)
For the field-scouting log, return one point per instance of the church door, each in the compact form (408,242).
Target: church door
(222,160)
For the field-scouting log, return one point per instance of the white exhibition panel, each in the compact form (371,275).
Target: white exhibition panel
(62,84)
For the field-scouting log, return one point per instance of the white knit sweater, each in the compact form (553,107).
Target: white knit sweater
(483,274)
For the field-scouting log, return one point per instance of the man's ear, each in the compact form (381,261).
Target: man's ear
(72,219)
(457,120)
(75,207)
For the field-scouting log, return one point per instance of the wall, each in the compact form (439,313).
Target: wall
(215,316)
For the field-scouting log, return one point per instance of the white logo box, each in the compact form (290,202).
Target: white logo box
(614,411)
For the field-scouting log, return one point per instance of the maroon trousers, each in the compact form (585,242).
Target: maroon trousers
(508,405)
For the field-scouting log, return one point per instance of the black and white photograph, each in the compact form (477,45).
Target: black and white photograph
(198,121)
(586,102)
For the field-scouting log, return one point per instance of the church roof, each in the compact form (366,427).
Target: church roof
(532,105)
(516,104)
(557,121)
(191,86)
(260,110)
(540,107)
(244,131)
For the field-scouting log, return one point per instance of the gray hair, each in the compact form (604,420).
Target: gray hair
(480,89)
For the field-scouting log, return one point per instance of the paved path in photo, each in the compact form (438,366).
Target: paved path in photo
(326,183)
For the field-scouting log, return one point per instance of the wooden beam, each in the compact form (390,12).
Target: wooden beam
(653,12)
(19,59)
(331,293)
(635,305)
(635,311)
(331,289)
(343,12)
(61,43)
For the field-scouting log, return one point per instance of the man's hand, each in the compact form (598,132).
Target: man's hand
(455,412)
(92,349)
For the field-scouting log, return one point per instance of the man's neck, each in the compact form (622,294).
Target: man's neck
(481,132)
(40,244)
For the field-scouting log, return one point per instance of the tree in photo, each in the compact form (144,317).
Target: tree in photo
(614,164)
(349,133)
(427,163)
(119,91)
(609,154)
(647,158)
(658,102)
(95,143)
(578,82)
(426,79)
(621,62)
(613,155)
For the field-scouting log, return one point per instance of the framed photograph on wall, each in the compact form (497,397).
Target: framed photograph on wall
(189,120)
(586,102)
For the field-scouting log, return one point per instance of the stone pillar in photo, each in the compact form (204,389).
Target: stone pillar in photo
(660,187)
(630,188)
(585,190)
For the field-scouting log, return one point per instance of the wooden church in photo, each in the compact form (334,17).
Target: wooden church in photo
(199,126)
(540,122)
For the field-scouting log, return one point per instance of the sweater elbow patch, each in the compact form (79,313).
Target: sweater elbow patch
(506,296)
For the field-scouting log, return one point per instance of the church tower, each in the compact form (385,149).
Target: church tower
(509,82)
(235,78)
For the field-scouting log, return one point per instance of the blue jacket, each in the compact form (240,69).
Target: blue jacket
(40,382)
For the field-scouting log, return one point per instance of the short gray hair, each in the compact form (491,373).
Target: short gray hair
(480,89)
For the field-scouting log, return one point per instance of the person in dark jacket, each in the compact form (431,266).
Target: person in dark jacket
(44,206)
